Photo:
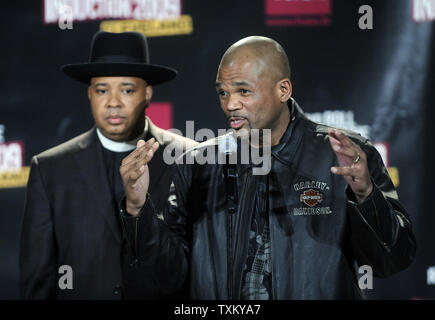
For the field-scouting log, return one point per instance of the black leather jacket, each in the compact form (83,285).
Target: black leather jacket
(318,232)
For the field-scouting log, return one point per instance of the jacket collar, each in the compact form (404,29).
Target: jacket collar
(116,146)
(287,147)
(285,150)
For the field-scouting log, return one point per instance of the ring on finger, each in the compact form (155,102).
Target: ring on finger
(358,157)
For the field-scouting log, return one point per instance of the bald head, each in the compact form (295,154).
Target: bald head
(271,59)
(253,85)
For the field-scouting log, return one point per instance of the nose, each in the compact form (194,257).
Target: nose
(114,101)
(233,103)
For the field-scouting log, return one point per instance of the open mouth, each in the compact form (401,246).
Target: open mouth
(237,122)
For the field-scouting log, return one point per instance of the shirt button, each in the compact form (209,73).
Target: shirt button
(117,290)
(134,263)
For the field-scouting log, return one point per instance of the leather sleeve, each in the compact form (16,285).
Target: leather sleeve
(382,235)
(162,251)
(37,257)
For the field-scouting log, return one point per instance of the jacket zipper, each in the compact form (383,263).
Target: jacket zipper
(232,271)
(230,257)
(135,240)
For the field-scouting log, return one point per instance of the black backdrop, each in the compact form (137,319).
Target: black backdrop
(385,76)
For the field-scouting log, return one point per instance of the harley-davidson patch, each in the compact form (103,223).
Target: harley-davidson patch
(311,197)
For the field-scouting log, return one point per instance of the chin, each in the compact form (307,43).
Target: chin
(117,138)
(115,135)
(242,133)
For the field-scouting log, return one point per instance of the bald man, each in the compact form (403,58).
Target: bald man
(298,231)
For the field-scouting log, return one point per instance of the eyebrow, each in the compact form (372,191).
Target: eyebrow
(241,83)
(104,84)
(237,84)
(128,84)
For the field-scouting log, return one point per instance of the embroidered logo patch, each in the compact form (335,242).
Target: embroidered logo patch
(311,193)
(311,197)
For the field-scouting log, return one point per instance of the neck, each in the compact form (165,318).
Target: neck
(280,127)
(138,128)
(277,130)
(117,146)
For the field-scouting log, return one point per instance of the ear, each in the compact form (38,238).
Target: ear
(89,93)
(148,93)
(284,90)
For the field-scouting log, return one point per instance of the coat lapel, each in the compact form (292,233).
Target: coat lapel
(91,163)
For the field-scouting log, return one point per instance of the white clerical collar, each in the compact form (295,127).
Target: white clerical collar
(116,146)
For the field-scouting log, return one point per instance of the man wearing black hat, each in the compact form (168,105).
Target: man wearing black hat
(71,242)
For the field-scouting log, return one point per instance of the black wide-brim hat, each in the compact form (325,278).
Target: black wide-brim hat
(119,54)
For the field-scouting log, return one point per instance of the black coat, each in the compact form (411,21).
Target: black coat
(314,246)
(70,219)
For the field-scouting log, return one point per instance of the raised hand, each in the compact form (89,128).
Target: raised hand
(135,174)
(352,162)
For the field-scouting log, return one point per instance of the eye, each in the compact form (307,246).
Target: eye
(101,91)
(244,92)
(128,91)
(222,93)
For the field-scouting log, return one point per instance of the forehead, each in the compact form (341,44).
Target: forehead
(241,67)
(116,81)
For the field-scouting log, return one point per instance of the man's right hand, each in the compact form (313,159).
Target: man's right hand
(135,175)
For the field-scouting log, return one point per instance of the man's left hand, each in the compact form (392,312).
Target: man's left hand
(352,162)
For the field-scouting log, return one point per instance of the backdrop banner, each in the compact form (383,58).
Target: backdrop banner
(367,66)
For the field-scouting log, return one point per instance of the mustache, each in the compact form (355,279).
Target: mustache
(114,112)
(236,115)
